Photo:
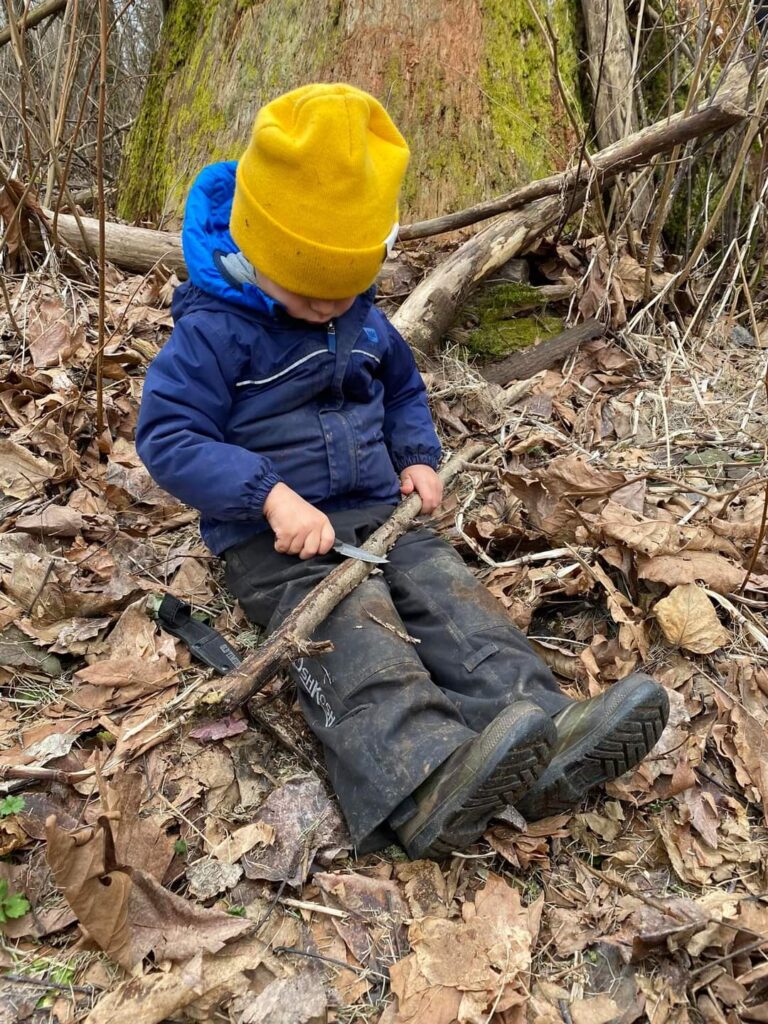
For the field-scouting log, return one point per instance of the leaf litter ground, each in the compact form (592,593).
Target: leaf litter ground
(154,871)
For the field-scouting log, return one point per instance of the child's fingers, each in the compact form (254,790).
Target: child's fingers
(311,544)
(327,537)
(282,543)
(297,543)
(406,484)
(431,496)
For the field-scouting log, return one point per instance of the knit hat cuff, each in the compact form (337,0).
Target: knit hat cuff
(299,264)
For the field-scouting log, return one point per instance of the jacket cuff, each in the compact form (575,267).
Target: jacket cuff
(262,489)
(416,457)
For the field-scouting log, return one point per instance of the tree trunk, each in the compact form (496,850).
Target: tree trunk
(611,74)
(468,82)
(610,70)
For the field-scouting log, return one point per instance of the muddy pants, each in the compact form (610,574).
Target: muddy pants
(388,710)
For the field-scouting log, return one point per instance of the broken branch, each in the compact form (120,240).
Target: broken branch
(291,640)
(31,18)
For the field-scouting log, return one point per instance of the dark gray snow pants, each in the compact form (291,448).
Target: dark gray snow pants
(388,711)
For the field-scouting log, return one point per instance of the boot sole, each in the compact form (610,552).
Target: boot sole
(514,752)
(617,744)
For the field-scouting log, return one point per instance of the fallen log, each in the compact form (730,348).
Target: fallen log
(293,639)
(525,364)
(141,248)
(33,17)
(129,247)
(730,106)
(431,307)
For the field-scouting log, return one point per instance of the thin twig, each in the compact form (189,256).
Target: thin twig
(23,979)
(103,41)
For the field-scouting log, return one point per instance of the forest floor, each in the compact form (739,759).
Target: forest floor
(202,871)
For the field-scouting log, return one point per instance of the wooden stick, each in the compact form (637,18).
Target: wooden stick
(292,639)
(8,771)
(314,908)
(32,18)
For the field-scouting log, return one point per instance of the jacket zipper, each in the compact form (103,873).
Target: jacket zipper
(331,334)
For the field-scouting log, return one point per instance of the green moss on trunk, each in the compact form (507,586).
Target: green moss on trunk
(525,108)
(470,86)
(495,340)
(489,329)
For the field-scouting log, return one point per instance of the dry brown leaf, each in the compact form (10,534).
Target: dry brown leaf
(704,815)
(159,996)
(242,841)
(126,485)
(149,675)
(53,521)
(652,537)
(304,821)
(738,855)
(425,888)
(72,636)
(298,1000)
(594,1010)
(138,655)
(519,848)
(46,585)
(549,492)
(715,571)
(741,735)
(51,337)
(125,911)
(348,984)
(16,651)
(375,914)
(607,659)
(21,473)
(193,582)
(460,969)
(649,929)
(139,831)
(571,931)
(688,619)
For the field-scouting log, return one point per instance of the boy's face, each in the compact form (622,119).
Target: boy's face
(316,311)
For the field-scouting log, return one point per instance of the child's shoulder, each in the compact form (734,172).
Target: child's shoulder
(204,320)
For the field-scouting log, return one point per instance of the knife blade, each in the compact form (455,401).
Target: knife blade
(350,551)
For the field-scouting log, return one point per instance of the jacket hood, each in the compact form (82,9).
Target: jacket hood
(205,238)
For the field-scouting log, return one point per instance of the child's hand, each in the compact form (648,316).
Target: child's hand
(426,483)
(299,528)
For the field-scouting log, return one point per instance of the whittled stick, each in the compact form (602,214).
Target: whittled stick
(293,638)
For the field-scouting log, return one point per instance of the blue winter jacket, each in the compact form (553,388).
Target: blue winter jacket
(243,395)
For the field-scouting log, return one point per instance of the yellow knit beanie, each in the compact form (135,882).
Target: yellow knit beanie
(316,193)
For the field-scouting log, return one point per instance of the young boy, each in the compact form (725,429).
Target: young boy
(287,409)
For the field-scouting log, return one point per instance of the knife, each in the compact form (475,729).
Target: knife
(350,551)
